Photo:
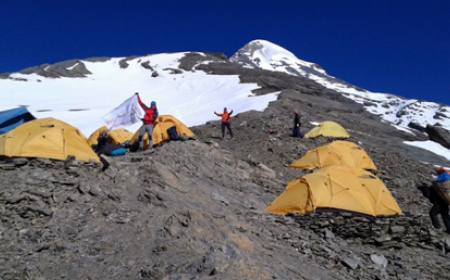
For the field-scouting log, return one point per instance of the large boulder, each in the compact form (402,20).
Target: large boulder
(439,134)
(416,126)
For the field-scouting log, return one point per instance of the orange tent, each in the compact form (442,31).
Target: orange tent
(336,187)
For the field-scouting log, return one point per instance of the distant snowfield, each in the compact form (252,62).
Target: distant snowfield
(431,146)
(82,102)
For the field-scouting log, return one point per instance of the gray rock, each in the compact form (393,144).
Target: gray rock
(439,135)
(192,59)
(401,182)
(60,69)
(7,166)
(416,126)
(265,171)
(220,198)
(350,261)
(123,63)
(83,188)
(20,161)
(379,260)
(147,65)
(447,244)
(329,235)
(396,229)
(94,190)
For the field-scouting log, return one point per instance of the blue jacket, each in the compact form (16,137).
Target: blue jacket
(444,177)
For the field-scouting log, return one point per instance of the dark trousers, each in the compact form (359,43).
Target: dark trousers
(228,126)
(439,207)
(296,132)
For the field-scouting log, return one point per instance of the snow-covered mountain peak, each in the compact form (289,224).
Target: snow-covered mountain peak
(269,56)
(263,51)
(401,112)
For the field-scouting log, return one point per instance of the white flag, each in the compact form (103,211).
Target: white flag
(127,113)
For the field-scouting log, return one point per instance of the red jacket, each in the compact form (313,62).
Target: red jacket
(151,114)
(225,116)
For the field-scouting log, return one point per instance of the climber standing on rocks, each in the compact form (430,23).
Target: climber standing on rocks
(151,114)
(225,121)
(296,130)
(440,197)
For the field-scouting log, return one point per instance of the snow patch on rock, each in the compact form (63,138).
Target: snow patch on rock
(431,146)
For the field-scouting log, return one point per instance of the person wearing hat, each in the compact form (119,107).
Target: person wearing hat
(439,196)
(151,114)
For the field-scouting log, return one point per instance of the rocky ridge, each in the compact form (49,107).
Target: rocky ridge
(262,54)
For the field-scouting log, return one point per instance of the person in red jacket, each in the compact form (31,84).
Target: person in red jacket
(225,120)
(151,114)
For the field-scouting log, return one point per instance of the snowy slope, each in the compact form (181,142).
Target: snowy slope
(393,109)
(432,147)
(99,85)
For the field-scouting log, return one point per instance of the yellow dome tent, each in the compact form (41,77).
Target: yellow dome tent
(336,153)
(336,187)
(46,138)
(160,135)
(116,136)
(328,129)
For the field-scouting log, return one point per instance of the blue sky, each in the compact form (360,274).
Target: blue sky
(401,47)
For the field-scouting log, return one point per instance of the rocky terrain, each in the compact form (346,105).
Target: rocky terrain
(196,209)
(192,210)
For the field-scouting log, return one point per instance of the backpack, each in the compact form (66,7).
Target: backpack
(443,189)
(134,147)
(173,134)
(118,152)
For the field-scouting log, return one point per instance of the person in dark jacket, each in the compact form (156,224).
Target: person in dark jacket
(225,121)
(440,205)
(151,114)
(296,129)
(103,147)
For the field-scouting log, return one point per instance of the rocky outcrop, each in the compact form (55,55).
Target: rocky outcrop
(439,135)
(192,59)
(417,126)
(123,63)
(196,210)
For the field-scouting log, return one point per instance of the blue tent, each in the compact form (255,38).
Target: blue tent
(11,119)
